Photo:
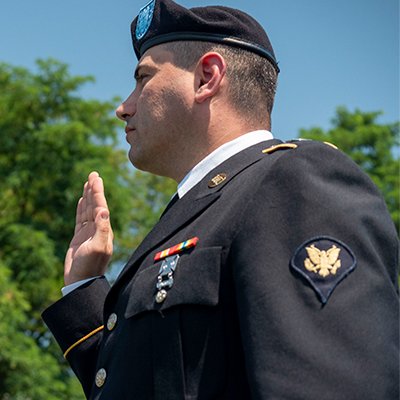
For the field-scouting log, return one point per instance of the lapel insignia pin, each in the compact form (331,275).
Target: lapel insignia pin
(187,244)
(324,262)
(217,180)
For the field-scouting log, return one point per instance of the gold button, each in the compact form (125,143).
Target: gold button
(101,377)
(112,321)
(161,296)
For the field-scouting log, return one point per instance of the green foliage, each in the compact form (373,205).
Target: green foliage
(150,195)
(50,139)
(26,372)
(374,147)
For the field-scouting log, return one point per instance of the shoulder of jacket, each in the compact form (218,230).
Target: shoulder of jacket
(296,143)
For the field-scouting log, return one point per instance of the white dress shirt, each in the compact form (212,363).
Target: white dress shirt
(199,171)
(218,156)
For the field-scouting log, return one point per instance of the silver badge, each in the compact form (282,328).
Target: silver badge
(165,279)
(144,19)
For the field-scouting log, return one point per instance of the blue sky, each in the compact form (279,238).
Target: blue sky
(331,52)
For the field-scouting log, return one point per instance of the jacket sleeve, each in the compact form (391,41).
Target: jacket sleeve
(299,344)
(76,322)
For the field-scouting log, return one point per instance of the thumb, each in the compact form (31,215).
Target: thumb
(105,215)
(103,233)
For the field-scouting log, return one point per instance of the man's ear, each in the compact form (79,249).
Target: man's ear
(210,72)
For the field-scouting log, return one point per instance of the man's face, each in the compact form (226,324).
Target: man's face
(158,112)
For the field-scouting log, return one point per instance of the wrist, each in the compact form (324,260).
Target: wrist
(73,279)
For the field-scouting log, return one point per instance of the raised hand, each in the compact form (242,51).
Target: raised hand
(91,247)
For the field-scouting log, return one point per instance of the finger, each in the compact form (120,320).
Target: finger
(81,205)
(93,175)
(89,206)
(85,188)
(97,185)
(99,201)
(84,203)
(78,217)
(89,202)
(91,178)
(95,191)
(98,196)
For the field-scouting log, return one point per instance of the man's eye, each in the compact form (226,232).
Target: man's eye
(141,77)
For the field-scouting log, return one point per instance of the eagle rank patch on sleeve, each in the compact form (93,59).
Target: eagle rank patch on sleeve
(324,262)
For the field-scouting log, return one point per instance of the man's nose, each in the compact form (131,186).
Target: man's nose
(126,109)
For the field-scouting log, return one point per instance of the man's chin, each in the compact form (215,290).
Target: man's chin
(134,159)
(139,162)
(148,162)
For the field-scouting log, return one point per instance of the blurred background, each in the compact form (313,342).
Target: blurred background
(64,67)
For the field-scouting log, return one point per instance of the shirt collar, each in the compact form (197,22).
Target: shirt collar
(218,156)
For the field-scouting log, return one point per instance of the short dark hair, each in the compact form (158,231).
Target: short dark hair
(252,78)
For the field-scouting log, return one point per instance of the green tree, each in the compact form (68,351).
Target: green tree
(149,195)
(50,139)
(373,146)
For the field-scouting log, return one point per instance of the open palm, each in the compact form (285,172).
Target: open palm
(91,247)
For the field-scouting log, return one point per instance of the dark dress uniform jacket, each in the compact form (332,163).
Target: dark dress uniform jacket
(262,307)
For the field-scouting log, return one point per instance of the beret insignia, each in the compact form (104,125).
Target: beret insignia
(144,19)
(324,262)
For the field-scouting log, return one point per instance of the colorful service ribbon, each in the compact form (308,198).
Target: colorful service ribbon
(187,244)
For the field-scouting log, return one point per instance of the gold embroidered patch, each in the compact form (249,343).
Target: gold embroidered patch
(217,180)
(282,146)
(322,262)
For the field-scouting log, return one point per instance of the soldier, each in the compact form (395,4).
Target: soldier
(272,274)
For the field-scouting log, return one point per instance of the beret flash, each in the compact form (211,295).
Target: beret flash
(162,21)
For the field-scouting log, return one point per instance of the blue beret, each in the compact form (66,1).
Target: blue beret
(162,21)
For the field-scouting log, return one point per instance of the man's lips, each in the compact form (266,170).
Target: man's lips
(128,131)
